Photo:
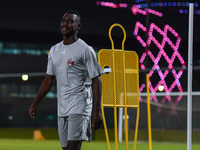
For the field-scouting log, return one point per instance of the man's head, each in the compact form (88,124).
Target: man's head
(70,23)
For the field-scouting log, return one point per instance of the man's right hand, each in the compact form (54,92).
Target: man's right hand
(32,110)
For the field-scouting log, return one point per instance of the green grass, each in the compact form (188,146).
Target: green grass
(27,144)
(22,139)
(27,133)
(52,134)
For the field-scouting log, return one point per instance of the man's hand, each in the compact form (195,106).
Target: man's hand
(44,89)
(32,110)
(96,119)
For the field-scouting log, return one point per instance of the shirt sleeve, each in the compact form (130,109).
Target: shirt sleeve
(50,68)
(92,65)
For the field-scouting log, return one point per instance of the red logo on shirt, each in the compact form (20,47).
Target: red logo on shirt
(70,62)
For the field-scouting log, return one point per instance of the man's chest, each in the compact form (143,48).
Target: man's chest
(66,59)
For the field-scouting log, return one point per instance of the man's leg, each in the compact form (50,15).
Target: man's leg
(73,130)
(73,145)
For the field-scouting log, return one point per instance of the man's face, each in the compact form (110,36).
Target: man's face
(70,24)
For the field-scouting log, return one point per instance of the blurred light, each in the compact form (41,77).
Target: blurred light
(135,9)
(137,1)
(181,11)
(109,4)
(50,117)
(47,52)
(160,88)
(25,77)
(141,87)
(143,5)
(173,4)
(169,3)
(164,4)
(98,2)
(183,3)
(178,4)
(152,4)
(156,4)
(185,11)
(10,117)
(196,4)
(124,116)
(124,5)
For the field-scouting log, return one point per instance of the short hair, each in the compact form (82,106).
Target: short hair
(74,12)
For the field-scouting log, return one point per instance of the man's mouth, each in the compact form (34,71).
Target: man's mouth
(64,28)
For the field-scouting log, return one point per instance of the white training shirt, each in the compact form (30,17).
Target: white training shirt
(73,66)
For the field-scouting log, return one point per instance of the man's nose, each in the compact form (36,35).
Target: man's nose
(64,23)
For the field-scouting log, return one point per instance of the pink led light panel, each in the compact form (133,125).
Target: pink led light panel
(156,59)
(161,52)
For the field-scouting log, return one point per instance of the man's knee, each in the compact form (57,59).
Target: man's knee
(73,145)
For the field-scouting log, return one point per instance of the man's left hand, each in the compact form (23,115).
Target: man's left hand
(96,119)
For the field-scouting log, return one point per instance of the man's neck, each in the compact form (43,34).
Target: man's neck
(69,40)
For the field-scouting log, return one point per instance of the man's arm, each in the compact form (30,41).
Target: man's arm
(44,89)
(96,117)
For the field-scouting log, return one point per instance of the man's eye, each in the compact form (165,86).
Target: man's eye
(63,20)
(69,21)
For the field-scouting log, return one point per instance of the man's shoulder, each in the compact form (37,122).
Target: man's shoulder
(85,45)
(54,48)
(82,43)
(86,48)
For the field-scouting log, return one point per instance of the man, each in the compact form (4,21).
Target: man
(74,66)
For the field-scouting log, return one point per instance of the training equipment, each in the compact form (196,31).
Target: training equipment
(37,135)
(149,112)
(120,84)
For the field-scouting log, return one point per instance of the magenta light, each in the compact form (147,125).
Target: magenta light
(142,66)
(98,3)
(154,98)
(151,11)
(160,46)
(124,5)
(109,4)
(150,73)
(161,53)
(141,87)
(143,57)
(179,98)
(136,9)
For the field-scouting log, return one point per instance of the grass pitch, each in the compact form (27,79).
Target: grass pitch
(27,144)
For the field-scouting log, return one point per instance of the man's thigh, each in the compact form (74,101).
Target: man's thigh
(75,127)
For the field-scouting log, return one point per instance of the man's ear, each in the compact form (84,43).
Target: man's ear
(79,26)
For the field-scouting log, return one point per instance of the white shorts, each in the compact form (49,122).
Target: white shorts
(75,127)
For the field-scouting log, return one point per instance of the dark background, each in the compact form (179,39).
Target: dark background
(38,21)
(35,24)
